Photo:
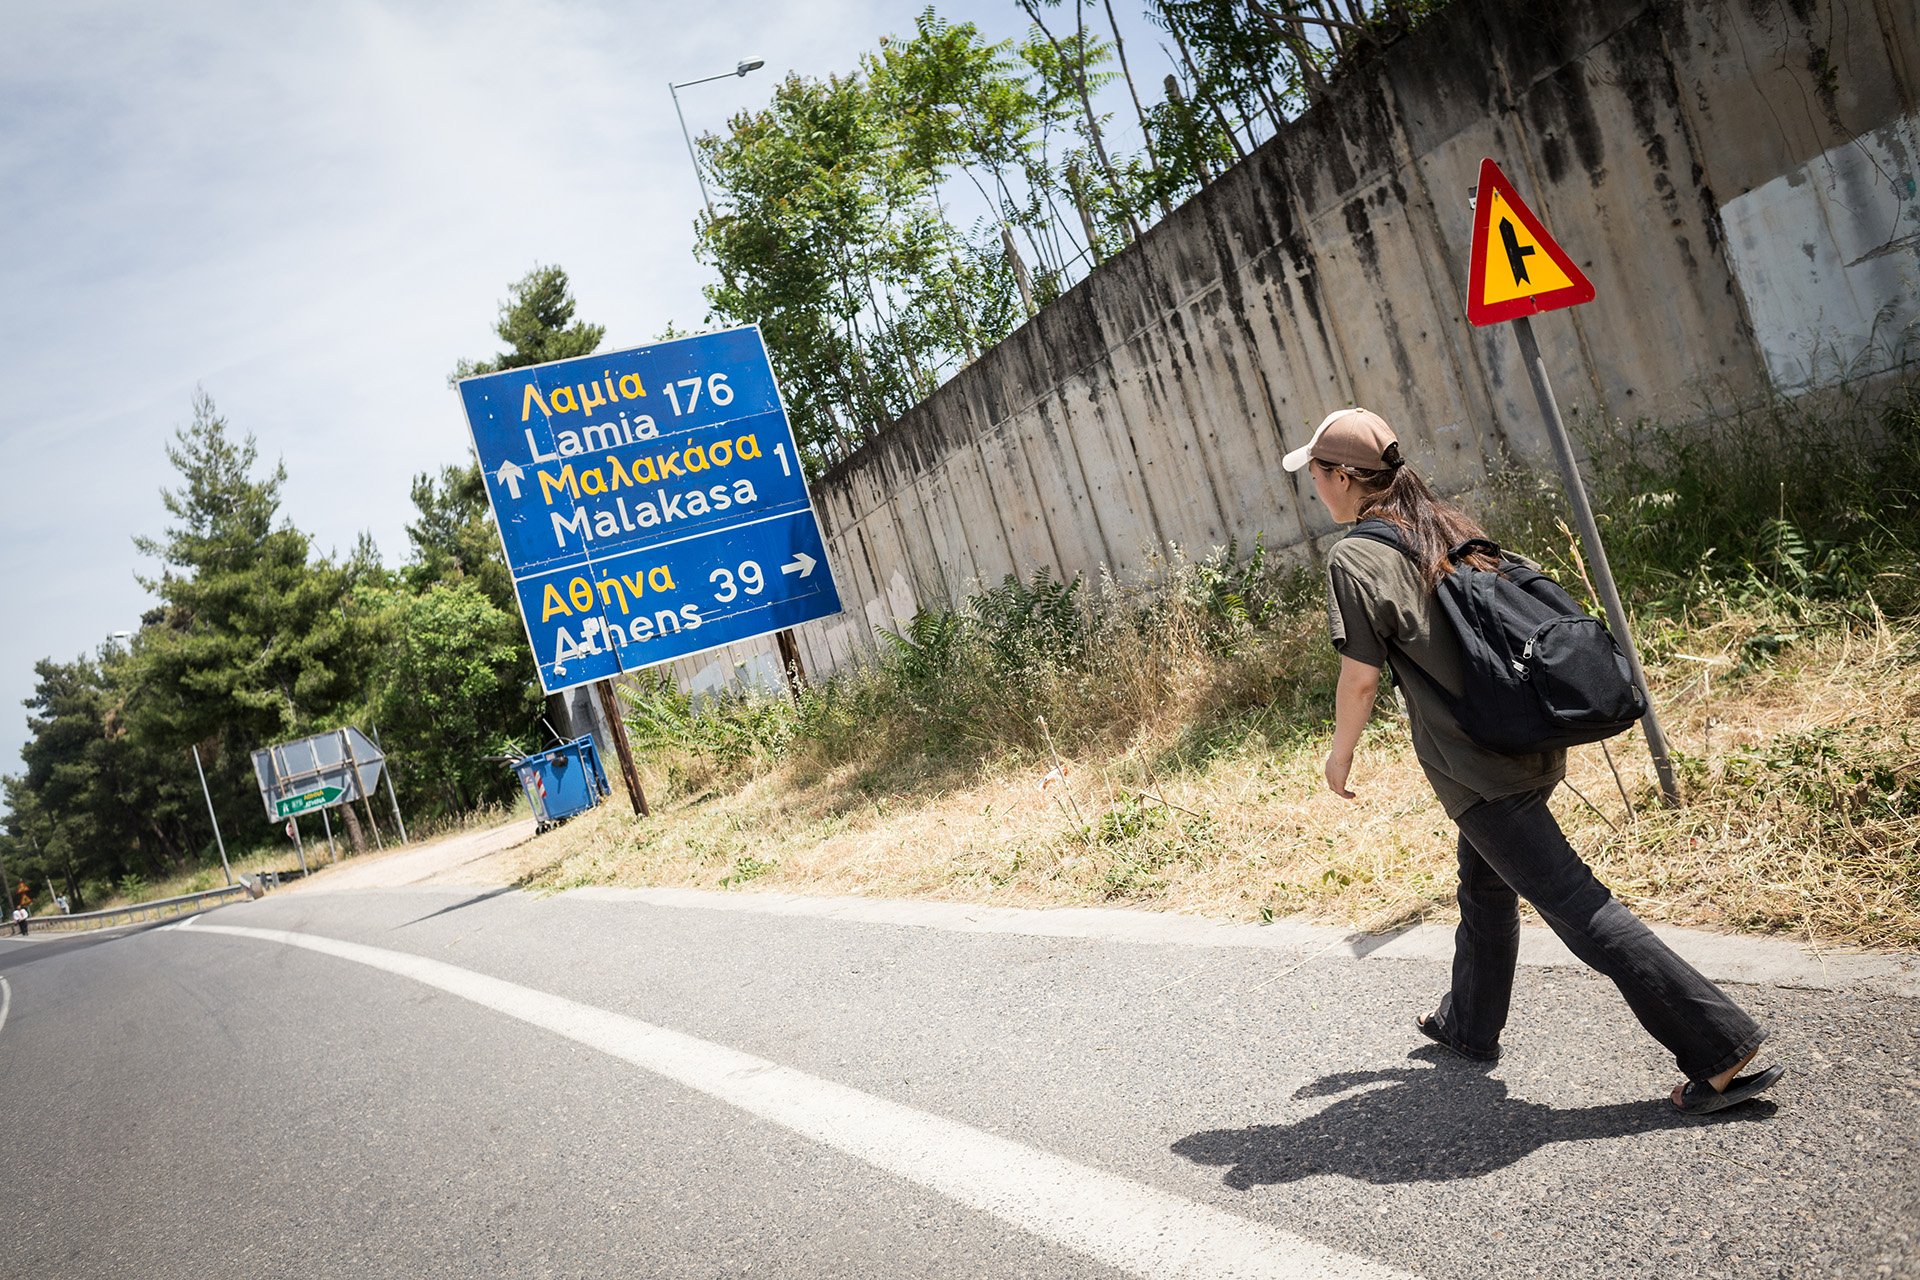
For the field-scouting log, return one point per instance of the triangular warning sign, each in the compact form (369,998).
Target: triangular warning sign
(1518,268)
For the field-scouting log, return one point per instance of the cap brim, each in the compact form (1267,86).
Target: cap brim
(1304,454)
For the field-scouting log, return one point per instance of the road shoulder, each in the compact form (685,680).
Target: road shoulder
(1759,961)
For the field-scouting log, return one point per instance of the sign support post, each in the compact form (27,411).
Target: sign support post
(790,665)
(217,838)
(617,726)
(299,845)
(326,824)
(1517,270)
(1597,554)
(393,799)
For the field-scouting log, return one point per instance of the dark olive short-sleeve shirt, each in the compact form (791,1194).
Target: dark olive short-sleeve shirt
(1378,607)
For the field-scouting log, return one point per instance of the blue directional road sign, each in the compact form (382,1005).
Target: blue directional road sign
(650,502)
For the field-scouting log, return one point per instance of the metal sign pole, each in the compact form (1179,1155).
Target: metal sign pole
(279,756)
(299,845)
(224,866)
(353,763)
(386,770)
(326,824)
(1596,554)
(617,726)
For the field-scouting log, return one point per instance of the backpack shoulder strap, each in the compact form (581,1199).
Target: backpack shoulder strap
(1375,529)
(1515,570)
(1471,545)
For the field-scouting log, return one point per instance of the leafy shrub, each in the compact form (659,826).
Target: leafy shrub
(1021,625)
(730,729)
(926,659)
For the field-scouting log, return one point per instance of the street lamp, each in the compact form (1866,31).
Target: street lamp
(740,69)
(789,650)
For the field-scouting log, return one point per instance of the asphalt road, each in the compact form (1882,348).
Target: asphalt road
(492,1084)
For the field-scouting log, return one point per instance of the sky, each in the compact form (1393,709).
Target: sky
(312,212)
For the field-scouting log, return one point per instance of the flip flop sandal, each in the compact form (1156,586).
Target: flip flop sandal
(1700,1098)
(1433,1029)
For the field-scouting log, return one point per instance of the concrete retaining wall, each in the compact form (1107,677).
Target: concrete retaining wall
(1738,180)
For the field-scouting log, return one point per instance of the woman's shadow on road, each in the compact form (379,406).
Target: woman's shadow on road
(1432,1123)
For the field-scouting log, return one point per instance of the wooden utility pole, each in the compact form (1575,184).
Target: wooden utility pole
(617,726)
(791,667)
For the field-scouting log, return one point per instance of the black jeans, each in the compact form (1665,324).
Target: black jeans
(1512,848)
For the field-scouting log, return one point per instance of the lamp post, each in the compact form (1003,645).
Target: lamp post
(740,69)
(211,815)
(789,649)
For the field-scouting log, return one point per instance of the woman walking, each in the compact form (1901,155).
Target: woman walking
(1382,606)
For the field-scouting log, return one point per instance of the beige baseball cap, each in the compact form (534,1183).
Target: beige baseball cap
(1349,438)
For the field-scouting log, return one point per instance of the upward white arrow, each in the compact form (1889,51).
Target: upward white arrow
(509,475)
(802,564)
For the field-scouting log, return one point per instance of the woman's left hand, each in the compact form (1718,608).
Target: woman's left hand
(1352,704)
(1338,768)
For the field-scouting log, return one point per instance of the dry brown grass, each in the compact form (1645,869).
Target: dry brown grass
(1803,784)
(1802,777)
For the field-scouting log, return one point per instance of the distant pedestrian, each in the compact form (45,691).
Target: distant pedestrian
(1383,606)
(20,920)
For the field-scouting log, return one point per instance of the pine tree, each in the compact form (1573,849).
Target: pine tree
(453,538)
(254,641)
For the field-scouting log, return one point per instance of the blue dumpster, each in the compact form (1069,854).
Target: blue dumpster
(562,781)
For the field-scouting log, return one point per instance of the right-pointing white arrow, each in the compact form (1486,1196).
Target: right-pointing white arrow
(802,564)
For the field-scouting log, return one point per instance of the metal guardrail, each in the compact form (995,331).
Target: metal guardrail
(159,909)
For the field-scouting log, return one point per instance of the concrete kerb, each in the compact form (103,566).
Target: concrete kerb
(1751,961)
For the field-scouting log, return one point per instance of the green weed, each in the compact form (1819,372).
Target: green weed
(746,867)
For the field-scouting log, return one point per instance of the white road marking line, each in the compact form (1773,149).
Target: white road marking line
(1123,1223)
(6,1002)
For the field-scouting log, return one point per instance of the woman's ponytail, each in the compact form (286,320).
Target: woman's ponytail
(1429,524)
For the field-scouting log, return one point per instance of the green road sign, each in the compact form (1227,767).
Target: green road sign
(318,798)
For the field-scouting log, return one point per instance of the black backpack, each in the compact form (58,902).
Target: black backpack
(1538,672)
